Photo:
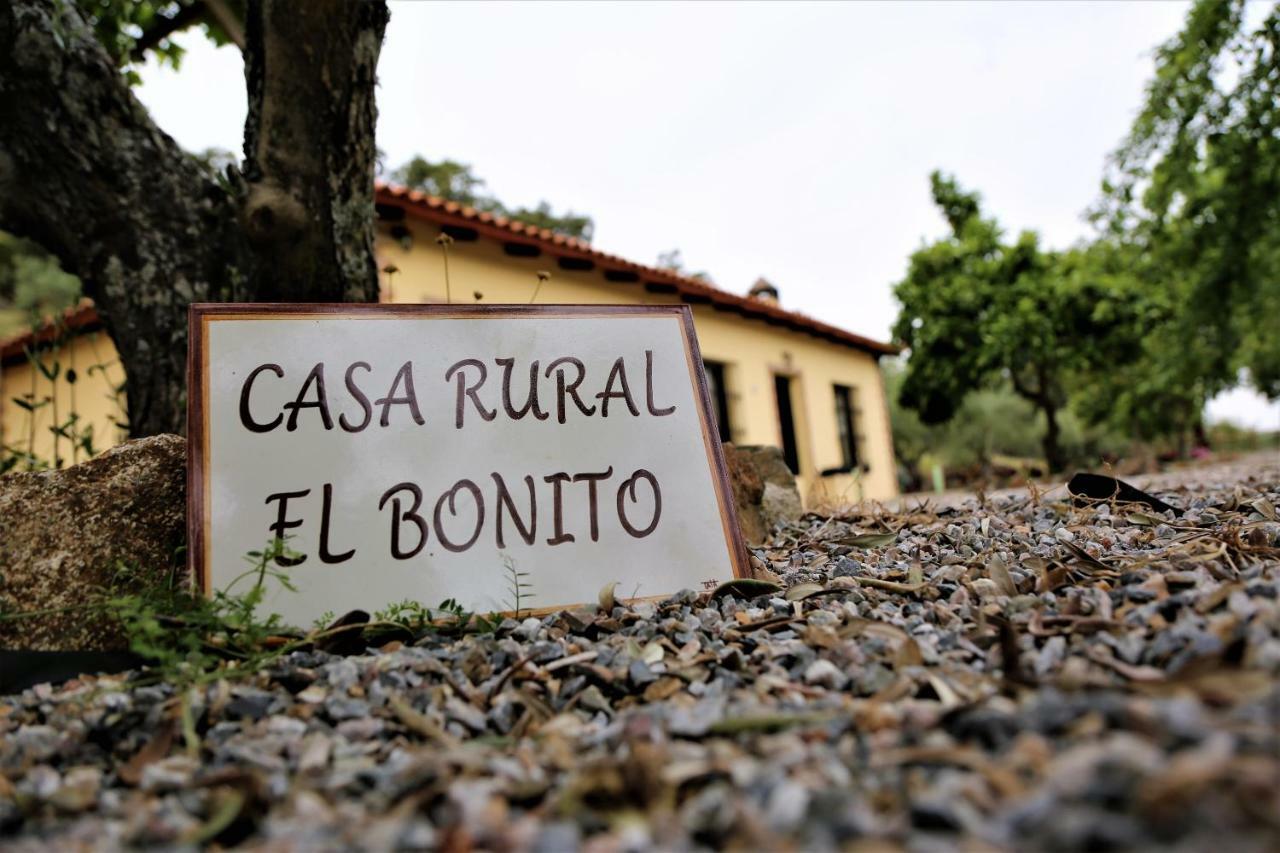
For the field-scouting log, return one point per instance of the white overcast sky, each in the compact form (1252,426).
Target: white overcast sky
(792,141)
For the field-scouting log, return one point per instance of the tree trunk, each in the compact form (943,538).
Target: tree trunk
(1200,435)
(309,148)
(1043,398)
(87,174)
(1052,451)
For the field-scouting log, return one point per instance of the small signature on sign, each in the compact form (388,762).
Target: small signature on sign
(710,584)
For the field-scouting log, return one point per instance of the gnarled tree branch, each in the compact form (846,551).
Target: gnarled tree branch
(87,174)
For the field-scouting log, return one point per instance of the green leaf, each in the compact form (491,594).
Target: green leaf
(801,591)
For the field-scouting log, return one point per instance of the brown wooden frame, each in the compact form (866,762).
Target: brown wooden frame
(200,314)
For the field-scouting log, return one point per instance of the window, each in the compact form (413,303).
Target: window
(719,397)
(847,426)
(786,422)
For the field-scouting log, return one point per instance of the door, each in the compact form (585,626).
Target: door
(787,422)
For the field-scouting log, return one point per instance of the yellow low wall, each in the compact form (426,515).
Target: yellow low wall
(86,375)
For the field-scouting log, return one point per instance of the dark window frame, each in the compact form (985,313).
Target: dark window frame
(847,429)
(716,385)
(784,400)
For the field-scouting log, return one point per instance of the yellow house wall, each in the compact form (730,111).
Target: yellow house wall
(91,397)
(480,271)
(753,351)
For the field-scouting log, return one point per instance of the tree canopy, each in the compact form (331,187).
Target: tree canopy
(31,284)
(1195,189)
(1179,290)
(131,30)
(673,260)
(456,181)
(979,309)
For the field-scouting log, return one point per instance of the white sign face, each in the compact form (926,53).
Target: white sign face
(423,452)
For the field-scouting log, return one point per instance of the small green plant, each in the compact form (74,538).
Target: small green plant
(519,589)
(410,615)
(451,617)
(13,457)
(324,620)
(186,636)
(451,607)
(189,639)
(50,378)
(80,436)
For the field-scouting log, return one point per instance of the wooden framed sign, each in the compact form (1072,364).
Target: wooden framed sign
(423,451)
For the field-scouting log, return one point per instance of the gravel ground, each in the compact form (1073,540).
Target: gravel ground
(1016,674)
(1259,465)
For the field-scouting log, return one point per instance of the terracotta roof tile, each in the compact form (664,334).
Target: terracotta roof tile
(441,212)
(81,317)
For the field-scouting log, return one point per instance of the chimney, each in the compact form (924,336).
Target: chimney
(762,289)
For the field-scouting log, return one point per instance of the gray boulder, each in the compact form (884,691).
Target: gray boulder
(764,489)
(64,534)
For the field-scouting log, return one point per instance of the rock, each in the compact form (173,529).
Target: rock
(64,533)
(748,491)
(764,489)
(360,728)
(169,774)
(529,629)
(555,837)
(41,782)
(251,703)
(315,752)
(846,567)
(640,673)
(781,503)
(824,673)
(343,708)
(786,807)
(79,789)
(34,744)
(934,814)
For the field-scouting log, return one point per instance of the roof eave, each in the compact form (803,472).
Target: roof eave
(82,317)
(444,213)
